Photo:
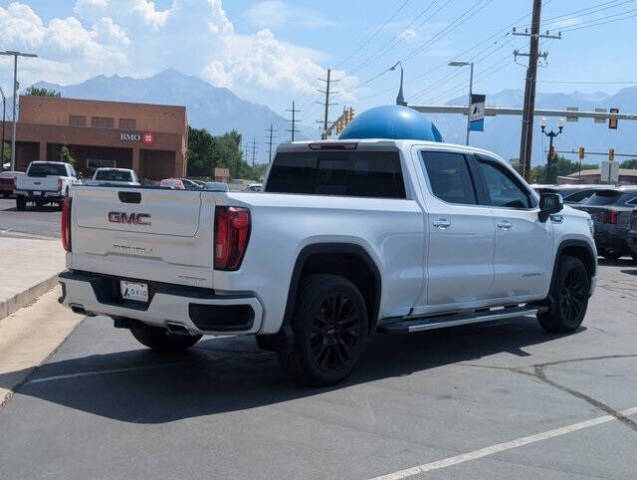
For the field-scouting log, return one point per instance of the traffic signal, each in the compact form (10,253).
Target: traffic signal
(581,153)
(350,114)
(612,121)
(611,154)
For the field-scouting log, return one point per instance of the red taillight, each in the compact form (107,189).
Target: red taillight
(60,184)
(66,224)
(610,217)
(232,232)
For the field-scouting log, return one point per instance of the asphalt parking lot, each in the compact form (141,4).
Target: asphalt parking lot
(497,401)
(44,221)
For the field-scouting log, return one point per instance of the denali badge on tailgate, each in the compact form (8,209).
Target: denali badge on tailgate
(130,218)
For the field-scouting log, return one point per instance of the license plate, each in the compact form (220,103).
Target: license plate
(37,193)
(133,291)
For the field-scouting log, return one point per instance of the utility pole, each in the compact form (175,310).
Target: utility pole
(254,150)
(292,128)
(464,64)
(327,92)
(15,56)
(526,138)
(4,107)
(271,136)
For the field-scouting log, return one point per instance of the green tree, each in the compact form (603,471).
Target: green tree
(42,92)
(207,152)
(559,167)
(65,155)
(632,163)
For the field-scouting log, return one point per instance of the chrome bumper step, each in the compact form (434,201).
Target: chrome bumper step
(420,324)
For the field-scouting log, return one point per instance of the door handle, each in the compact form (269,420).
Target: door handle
(504,225)
(442,223)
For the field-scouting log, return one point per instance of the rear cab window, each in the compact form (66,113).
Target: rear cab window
(353,173)
(45,169)
(114,175)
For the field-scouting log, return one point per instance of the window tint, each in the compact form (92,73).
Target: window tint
(502,189)
(114,175)
(578,196)
(348,173)
(604,197)
(44,169)
(632,202)
(449,177)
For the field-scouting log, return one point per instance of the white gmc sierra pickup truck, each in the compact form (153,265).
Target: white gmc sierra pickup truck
(348,238)
(44,182)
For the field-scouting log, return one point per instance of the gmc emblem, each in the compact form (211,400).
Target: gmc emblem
(130,218)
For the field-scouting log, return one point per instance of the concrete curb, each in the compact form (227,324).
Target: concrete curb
(22,299)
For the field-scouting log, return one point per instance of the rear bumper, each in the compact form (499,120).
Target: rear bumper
(43,195)
(200,311)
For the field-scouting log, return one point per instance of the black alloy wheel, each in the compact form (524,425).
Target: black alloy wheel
(574,294)
(335,338)
(568,297)
(330,329)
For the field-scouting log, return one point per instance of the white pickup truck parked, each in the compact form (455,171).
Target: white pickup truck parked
(348,238)
(44,182)
(114,176)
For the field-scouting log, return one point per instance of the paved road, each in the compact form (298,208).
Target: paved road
(43,221)
(519,402)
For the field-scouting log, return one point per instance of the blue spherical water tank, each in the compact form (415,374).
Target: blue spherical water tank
(392,121)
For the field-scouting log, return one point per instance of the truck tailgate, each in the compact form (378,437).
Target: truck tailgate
(48,183)
(143,233)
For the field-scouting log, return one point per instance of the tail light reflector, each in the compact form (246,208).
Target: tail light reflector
(232,232)
(611,217)
(66,224)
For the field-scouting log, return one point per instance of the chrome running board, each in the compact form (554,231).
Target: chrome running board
(420,324)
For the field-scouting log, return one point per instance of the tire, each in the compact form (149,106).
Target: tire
(568,298)
(21,203)
(330,329)
(612,254)
(161,340)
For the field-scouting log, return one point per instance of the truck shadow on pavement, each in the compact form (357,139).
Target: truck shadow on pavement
(231,374)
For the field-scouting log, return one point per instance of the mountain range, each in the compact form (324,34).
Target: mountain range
(216,109)
(219,110)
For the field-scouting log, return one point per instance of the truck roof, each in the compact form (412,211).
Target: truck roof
(379,143)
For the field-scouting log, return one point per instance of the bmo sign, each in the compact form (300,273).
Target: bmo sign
(147,138)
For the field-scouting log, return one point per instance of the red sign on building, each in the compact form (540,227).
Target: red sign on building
(148,138)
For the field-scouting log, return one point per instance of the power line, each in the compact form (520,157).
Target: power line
(598,21)
(373,35)
(585,11)
(610,82)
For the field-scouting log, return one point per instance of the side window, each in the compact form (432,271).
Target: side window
(578,196)
(632,202)
(449,177)
(502,188)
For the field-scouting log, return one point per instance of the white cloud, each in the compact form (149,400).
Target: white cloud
(274,13)
(135,38)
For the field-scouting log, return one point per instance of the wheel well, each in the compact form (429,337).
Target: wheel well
(348,262)
(582,253)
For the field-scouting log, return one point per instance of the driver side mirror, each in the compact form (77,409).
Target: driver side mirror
(550,203)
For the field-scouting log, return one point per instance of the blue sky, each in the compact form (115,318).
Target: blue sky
(273,51)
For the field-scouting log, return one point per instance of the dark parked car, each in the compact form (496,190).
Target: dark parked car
(571,193)
(611,210)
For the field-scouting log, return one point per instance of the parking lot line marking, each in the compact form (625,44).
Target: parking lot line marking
(103,372)
(501,447)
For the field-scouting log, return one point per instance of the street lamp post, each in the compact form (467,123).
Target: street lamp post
(4,108)
(15,56)
(552,134)
(400,99)
(464,64)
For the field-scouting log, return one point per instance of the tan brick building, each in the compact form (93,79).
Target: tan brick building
(151,139)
